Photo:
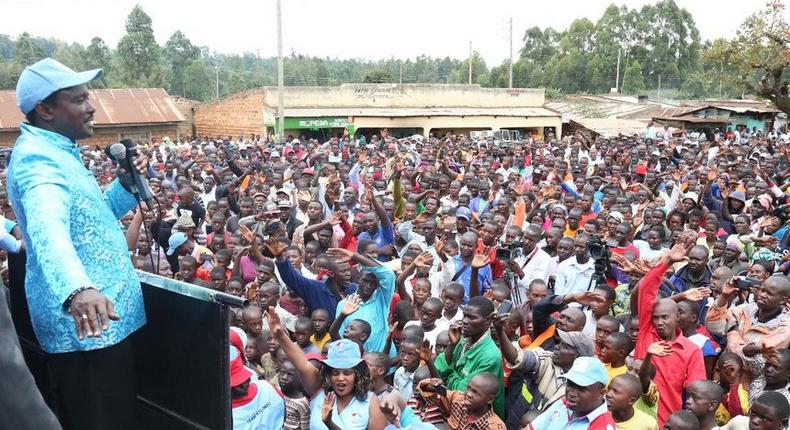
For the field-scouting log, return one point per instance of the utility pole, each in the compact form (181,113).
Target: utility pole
(659,87)
(617,77)
(510,71)
(470,62)
(400,75)
(216,89)
(721,70)
(280,77)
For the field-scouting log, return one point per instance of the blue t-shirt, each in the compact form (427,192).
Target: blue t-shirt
(384,236)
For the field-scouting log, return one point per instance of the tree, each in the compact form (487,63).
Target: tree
(633,81)
(479,71)
(180,54)
(138,52)
(27,51)
(760,54)
(378,76)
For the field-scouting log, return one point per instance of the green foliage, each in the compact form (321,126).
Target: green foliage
(658,39)
(378,76)
(633,81)
(138,52)
(759,56)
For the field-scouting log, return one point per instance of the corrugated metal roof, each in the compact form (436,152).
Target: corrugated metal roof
(737,109)
(113,107)
(693,119)
(432,111)
(609,127)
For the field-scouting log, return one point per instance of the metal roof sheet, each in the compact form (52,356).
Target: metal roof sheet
(608,127)
(113,107)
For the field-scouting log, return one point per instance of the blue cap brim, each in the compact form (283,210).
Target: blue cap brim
(81,78)
(580,379)
(342,363)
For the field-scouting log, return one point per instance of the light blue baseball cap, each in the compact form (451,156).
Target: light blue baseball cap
(176,240)
(343,354)
(40,80)
(586,371)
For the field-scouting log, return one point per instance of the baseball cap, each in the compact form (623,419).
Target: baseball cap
(463,212)
(176,240)
(738,195)
(586,371)
(185,221)
(275,154)
(270,208)
(282,191)
(343,354)
(578,340)
(238,372)
(691,195)
(42,79)
(284,204)
(617,216)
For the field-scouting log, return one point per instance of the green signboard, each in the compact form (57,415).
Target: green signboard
(316,123)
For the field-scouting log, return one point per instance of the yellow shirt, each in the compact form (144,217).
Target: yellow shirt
(640,421)
(319,343)
(614,371)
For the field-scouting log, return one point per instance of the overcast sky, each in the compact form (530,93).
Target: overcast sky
(371,29)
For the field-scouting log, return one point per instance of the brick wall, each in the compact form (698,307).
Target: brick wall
(239,114)
(187,109)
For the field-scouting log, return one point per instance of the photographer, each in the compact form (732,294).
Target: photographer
(533,263)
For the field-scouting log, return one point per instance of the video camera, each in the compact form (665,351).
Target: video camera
(599,251)
(509,251)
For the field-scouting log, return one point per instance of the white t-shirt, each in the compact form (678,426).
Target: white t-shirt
(265,411)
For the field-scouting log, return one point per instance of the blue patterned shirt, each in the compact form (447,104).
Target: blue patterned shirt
(73,240)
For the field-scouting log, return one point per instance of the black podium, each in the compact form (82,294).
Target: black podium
(181,354)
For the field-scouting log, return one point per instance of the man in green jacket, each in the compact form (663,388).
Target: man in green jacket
(472,351)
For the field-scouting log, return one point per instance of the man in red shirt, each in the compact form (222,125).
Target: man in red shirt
(658,322)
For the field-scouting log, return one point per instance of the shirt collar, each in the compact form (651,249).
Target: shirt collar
(56,139)
(597,412)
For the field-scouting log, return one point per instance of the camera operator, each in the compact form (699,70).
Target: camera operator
(532,263)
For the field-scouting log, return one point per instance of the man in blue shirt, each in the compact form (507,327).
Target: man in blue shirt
(464,269)
(79,275)
(378,228)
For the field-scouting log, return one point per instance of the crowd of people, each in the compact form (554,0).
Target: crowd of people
(637,282)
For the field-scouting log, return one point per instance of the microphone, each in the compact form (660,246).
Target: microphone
(123,153)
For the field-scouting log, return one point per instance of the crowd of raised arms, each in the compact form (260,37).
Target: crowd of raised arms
(636,282)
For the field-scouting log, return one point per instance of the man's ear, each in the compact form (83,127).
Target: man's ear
(44,111)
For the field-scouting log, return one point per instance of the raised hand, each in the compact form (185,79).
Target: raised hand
(480,260)
(351,305)
(696,294)
(589,298)
(336,218)
(455,333)
(440,242)
(342,255)
(326,408)
(659,349)
(275,247)
(246,234)
(275,325)
(391,410)
(426,354)
(424,260)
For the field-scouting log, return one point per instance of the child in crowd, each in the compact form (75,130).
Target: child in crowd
(442,342)
(452,297)
(703,400)
(682,420)
(770,411)
(297,407)
(472,408)
(623,391)
(252,320)
(736,389)
(269,361)
(427,408)
(253,351)
(431,311)
(320,319)
(378,366)
(605,326)
(648,401)
(409,355)
(688,322)
(303,331)
(616,348)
